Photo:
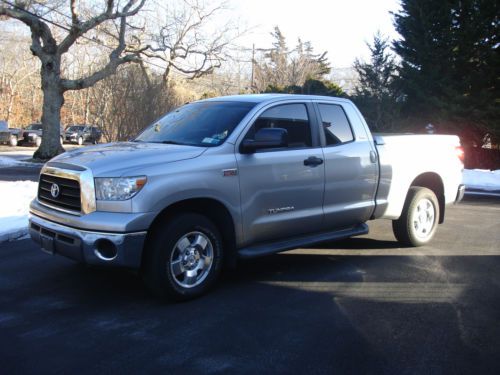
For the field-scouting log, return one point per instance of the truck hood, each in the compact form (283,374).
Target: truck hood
(118,159)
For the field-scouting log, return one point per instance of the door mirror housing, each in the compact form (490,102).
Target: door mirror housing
(265,138)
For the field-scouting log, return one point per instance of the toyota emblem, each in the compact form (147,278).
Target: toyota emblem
(54,190)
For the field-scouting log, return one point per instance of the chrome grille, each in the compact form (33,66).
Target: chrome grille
(68,197)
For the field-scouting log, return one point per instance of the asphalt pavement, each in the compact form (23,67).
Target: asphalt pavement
(360,306)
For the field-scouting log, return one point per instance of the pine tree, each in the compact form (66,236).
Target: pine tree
(376,93)
(450,62)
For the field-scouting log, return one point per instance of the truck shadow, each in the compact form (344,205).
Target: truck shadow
(359,244)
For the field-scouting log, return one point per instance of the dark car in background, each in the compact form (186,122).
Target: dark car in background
(8,135)
(32,135)
(81,134)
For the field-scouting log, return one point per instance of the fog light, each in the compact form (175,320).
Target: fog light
(105,250)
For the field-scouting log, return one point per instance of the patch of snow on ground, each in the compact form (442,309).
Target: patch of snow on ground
(8,162)
(481,179)
(13,161)
(15,197)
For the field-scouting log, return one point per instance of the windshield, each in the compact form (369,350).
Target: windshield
(34,127)
(205,124)
(75,128)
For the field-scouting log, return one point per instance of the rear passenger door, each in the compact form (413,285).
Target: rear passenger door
(351,169)
(281,191)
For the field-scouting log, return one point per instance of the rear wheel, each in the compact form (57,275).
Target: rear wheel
(183,258)
(418,222)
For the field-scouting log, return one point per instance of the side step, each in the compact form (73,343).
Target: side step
(294,243)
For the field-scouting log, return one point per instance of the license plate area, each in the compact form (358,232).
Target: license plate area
(47,243)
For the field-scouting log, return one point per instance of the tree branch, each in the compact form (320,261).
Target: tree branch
(40,31)
(114,62)
(80,28)
(109,69)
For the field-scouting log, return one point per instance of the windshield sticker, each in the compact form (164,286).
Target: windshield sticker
(211,141)
(220,136)
(157,127)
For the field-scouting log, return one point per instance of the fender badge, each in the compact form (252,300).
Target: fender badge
(229,172)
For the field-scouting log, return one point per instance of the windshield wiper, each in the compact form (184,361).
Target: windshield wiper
(173,143)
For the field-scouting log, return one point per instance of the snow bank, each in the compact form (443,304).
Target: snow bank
(481,179)
(15,197)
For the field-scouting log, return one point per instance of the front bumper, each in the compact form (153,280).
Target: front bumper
(87,246)
(71,138)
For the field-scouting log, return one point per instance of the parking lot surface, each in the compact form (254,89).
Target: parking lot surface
(362,305)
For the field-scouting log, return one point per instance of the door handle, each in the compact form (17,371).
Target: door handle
(313,161)
(373,157)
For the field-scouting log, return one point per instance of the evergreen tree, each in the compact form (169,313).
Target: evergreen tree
(450,62)
(376,93)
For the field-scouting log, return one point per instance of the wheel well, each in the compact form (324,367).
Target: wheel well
(208,207)
(432,181)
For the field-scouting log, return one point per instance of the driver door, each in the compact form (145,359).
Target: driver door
(281,189)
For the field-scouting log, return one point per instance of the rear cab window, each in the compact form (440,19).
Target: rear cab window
(336,126)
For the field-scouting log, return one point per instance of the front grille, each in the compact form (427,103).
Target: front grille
(69,192)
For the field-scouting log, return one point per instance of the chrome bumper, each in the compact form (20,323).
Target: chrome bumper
(85,246)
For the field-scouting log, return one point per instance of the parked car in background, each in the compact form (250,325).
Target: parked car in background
(32,135)
(8,135)
(81,134)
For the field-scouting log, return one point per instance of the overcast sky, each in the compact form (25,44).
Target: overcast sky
(340,27)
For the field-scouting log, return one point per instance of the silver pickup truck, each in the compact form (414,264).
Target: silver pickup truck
(240,177)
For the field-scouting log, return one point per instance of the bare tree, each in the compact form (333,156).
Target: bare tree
(186,40)
(49,47)
(281,67)
(18,71)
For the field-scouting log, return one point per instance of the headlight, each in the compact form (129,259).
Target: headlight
(119,188)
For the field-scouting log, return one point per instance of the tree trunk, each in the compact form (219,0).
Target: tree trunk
(53,99)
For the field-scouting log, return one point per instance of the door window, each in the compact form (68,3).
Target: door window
(291,117)
(335,124)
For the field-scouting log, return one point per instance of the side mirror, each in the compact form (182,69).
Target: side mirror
(265,138)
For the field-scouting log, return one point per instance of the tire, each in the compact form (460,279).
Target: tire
(13,141)
(80,141)
(38,141)
(176,263)
(419,219)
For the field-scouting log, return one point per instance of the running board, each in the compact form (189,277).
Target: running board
(294,243)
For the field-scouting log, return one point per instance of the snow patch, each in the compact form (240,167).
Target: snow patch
(15,198)
(481,179)
(12,161)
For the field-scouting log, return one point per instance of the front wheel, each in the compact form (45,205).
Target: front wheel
(183,258)
(418,222)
